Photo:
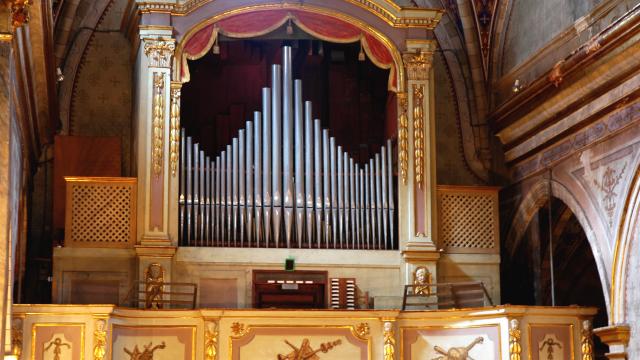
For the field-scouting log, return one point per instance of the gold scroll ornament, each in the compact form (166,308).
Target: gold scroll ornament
(174,134)
(16,337)
(158,122)
(403,137)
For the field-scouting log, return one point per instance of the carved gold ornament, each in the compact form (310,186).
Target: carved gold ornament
(147,352)
(515,349)
(238,329)
(418,65)
(403,136)
(457,353)
(363,330)
(56,345)
(586,340)
(389,349)
(422,279)
(154,286)
(99,340)
(175,129)
(158,122)
(16,337)
(210,341)
(418,133)
(306,352)
(159,52)
(19,11)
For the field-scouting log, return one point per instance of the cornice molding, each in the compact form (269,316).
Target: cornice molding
(386,10)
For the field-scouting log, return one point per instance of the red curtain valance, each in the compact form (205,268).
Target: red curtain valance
(260,22)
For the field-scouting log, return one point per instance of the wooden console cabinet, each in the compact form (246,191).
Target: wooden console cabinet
(289,289)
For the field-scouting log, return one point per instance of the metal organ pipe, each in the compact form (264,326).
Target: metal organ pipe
(284,182)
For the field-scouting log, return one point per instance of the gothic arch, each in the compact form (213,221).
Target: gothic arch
(534,199)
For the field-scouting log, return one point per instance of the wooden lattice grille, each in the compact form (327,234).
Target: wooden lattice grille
(468,219)
(100,212)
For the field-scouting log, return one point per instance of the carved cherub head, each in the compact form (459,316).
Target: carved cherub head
(100,325)
(154,273)
(422,276)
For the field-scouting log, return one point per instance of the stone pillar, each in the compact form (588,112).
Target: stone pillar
(417,184)
(617,337)
(156,151)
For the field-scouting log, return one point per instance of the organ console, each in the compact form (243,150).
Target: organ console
(283,182)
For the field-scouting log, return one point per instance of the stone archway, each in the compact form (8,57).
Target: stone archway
(538,196)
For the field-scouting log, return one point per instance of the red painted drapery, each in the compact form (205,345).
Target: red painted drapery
(260,22)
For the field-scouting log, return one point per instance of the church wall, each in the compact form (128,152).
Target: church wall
(451,165)
(533,24)
(101,99)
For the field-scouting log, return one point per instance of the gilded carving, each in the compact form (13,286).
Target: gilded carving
(362,329)
(457,353)
(210,341)
(19,11)
(418,133)
(175,129)
(238,329)
(56,345)
(154,286)
(515,348)
(99,340)
(147,352)
(403,137)
(158,122)
(16,337)
(422,280)
(159,52)
(389,341)
(586,340)
(549,344)
(306,352)
(418,65)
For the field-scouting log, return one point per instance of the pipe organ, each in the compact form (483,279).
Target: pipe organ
(283,182)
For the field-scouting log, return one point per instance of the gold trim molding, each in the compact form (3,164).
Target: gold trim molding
(386,10)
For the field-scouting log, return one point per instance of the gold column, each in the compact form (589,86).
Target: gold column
(416,146)
(157,114)
(154,138)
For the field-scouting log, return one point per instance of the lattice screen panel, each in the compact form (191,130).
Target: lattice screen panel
(468,219)
(100,212)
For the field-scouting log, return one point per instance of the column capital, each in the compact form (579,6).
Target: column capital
(418,59)
(159,51)
(617,337)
